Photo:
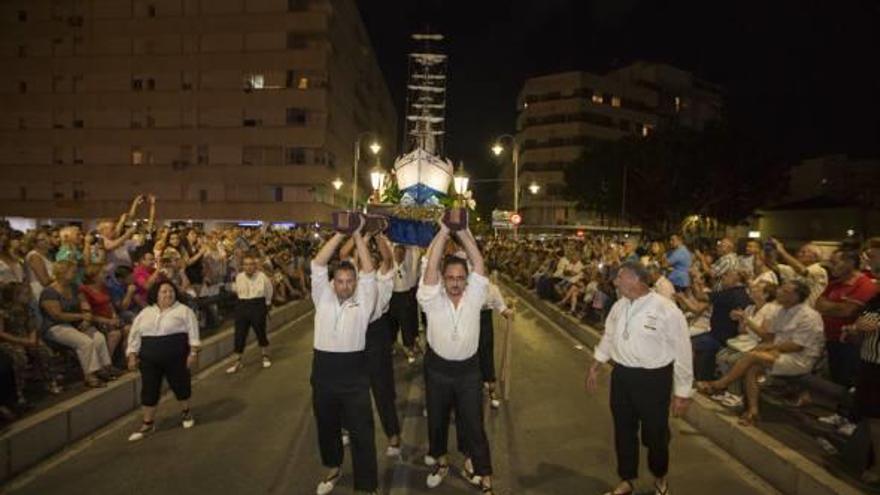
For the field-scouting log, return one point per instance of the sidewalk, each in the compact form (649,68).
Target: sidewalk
(787,469)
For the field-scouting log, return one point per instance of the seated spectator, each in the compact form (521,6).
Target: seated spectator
(11,269)
(172,268)
(659,283)
(38,264)
(762,273)
(122,289)
(74,250)
(100,304)
(20,340)
(67,324)
(730,296)
(796,346)
(145,275)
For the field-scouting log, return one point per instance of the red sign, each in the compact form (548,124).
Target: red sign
(515,218)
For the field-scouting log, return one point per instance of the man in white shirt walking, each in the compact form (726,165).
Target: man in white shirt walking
(646,338)
(340,382)
(403,316)
(452,372)
(254,291)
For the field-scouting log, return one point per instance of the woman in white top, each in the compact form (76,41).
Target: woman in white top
(38,266)
(10,266)
(164,343)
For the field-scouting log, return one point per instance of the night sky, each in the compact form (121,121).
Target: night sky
(802,76)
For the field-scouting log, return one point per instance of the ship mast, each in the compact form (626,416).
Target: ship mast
(426,95)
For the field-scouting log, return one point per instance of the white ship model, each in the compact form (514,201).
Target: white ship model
(422,174)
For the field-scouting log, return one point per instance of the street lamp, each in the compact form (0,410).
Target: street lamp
(375,147)
(497,149)
(337,183)
(377,179)
(534,187)
(460,181)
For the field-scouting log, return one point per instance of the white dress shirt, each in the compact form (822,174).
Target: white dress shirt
(649,332)
(257,286)
(384,288)
(802,325)
(154,322)
(454,332)
(342,326)
(406,274)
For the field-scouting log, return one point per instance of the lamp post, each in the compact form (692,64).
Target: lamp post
(375,147)
(497,149)
(377,180)
(460,181)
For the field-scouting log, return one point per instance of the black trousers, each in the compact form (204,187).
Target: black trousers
(250,313)
(640,399)
(341,398)
(403,317)
(486,349)
(164,357)
(381,370)
(458,385)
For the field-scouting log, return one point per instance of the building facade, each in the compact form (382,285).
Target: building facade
(561,115)
(225,109)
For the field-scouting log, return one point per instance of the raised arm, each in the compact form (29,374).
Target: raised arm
(435,253)
(326,252)
(386,253)
(151,220)
(473,252)
(366,261)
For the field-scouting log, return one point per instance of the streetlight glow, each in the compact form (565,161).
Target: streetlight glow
(460,181)
(375,147)
(337,183)
(497,149)
(534,187)
(377,178)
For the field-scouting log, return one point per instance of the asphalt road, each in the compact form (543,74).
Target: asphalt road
(255,434)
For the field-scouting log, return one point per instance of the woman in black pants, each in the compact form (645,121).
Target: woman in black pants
(164,343)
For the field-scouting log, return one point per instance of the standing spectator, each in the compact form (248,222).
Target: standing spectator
(840,304)
(118,248)
(164,344)
(806,266)
(38,264)
(145,276)
(193,253)
(61,310)
(747,261)
(867,327)
(724,263)
(679,260)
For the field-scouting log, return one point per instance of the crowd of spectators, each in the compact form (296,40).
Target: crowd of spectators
(69,293)
(758,314)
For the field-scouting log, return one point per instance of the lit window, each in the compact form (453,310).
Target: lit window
(677,104)
(254,81)
(303,83)
(525,105)
(597,99)
(615,101)
(647,129)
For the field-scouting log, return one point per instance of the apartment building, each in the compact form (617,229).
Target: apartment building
(227,110)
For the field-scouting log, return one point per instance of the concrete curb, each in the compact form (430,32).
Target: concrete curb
(784,468)
(36,437)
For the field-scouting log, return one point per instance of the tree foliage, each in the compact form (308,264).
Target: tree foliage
(674,173)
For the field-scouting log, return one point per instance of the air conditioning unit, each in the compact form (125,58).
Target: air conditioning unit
(179,164)
(186,86)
